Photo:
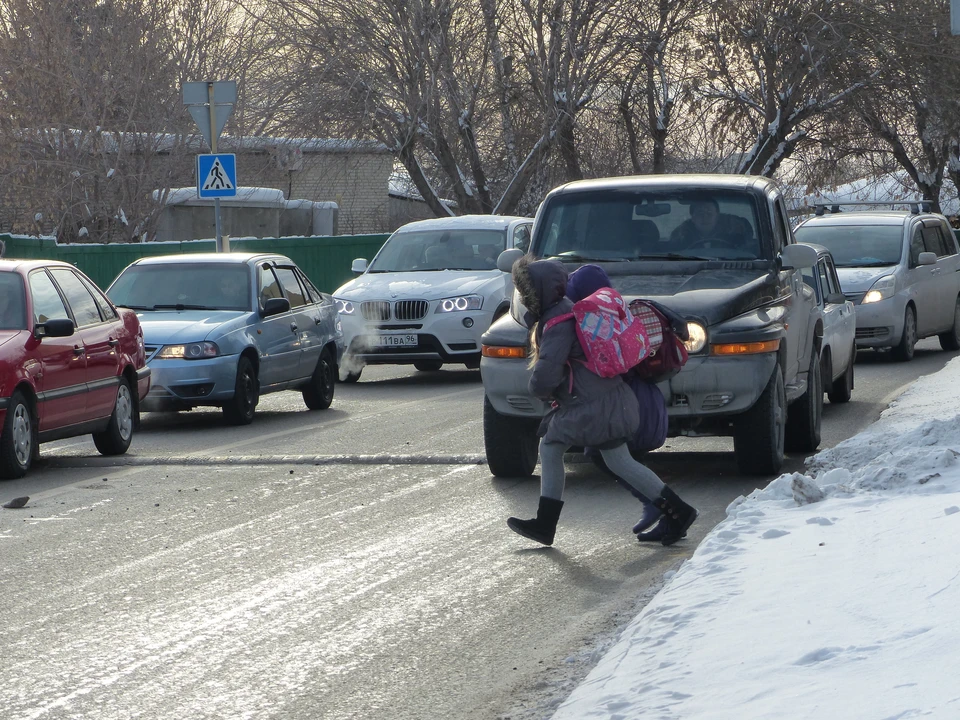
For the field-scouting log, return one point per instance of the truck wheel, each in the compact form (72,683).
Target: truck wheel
(908,341)
(805,415)
(758,434)
(950,340)
(511,443)
(842,387)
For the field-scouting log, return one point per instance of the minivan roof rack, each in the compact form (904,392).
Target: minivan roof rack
(916,206)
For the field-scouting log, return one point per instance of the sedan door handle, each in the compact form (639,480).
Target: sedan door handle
(78,350)
(112,342)
(317,320)
(293,327)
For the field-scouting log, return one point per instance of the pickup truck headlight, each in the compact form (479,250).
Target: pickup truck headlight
(345,307)
(460,304)
(697,339)
(189,351)
(882,289)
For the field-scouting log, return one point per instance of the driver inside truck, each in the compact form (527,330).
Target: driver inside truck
(707,225)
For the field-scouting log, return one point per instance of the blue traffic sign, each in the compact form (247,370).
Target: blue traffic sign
(216,176)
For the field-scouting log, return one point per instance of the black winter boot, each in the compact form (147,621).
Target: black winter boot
(543,527)
(677,516)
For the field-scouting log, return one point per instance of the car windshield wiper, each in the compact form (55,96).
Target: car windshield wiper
(673,256)
(181,306)
(574,257)
(134,307)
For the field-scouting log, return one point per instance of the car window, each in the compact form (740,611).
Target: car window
(781,232)
(47,303)
(672,224)
(810,277)
(933,241)
(291,286)
(106,311)
(950,240)
(12,305)
(521,237)
(269,285)
(84,307)
(183,285)
(835,286)
(856,245)
(824,278)
(916,246)
(315,296)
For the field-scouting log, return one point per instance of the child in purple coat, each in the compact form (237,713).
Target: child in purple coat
(652,431)
(589,410)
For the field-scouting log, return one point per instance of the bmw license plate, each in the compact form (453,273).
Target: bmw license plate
(396,340)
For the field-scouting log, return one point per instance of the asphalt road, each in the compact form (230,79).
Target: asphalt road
(351,563)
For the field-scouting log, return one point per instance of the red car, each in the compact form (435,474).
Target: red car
(71,363)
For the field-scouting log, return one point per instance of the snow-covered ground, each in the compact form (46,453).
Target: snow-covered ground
(832,594)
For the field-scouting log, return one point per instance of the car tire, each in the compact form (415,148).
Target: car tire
(239,409)
(18,439)
(805,416)
(511,443)
(318,393)
(908,340)
(842,388)
(758,434)
(116,438)
(950,340)
(428,365)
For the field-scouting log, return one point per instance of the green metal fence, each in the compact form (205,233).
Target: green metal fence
(325,260)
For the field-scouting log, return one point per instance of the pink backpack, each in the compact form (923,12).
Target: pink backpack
(612,339)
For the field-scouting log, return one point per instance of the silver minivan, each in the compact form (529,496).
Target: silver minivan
(901,269)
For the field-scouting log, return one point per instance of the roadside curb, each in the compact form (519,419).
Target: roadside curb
(144,460)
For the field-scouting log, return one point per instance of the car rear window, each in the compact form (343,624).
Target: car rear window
(452,249)
(210,286)
(856,245)
(12,306)
(612,225)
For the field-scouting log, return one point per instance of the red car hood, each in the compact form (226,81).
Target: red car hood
(7,335)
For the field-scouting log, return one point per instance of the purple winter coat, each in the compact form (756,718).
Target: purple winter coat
(598,412)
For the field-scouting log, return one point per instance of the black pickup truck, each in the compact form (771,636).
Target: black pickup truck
(717,249)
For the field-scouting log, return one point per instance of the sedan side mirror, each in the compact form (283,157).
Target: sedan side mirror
(275,306)
(927,258)
(507,258)
(797,256)
(54,328)
(359,266)
(835,299)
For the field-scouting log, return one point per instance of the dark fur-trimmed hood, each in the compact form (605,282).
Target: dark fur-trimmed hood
(541,284)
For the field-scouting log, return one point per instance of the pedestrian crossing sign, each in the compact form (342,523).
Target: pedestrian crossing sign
(216,176)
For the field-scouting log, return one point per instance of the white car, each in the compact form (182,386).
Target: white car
(429,294)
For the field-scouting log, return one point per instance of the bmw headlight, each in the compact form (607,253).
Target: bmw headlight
(460,304)
(697,339)
(345,307)
(882,289)
(190,351)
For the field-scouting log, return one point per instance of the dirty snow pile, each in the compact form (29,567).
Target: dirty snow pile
(829,594)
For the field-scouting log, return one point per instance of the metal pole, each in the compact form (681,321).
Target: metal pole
(213,149)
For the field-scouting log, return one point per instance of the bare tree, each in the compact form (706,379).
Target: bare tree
(773,69)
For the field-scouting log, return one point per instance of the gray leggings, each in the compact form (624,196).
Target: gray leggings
(618,459)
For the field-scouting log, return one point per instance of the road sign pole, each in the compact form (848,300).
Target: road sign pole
(213,149)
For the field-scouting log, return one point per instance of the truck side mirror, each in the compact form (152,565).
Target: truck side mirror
(797,256)
(359,266)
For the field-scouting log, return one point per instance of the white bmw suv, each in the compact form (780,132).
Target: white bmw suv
(429,294)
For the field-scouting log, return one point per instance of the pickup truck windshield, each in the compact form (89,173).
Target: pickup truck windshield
(628,225)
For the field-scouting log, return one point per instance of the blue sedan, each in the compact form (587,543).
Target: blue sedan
(223,329)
